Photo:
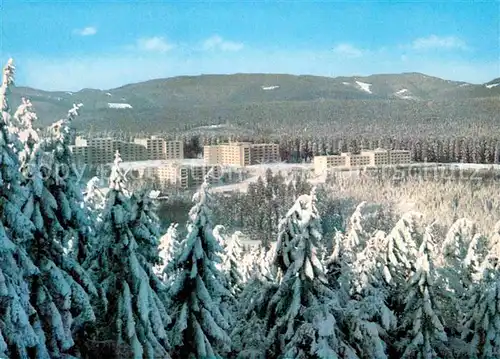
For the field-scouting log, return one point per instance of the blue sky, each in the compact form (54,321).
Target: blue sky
(69,45)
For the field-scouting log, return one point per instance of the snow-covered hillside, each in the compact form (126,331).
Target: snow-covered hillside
(364,86)
(119,105)
(404,94)
(268,88)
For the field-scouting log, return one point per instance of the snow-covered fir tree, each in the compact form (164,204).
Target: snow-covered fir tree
(301,313)
(58,287)
(231,263)
(220,237)
(368,321)
(477,254)
(399,250)
(62,291)
(454,251)
(249,334)
(257,262)
(132,317)
(356,236)
(422,329)
(94,200)
(145,226)
(64,184)
(481,319)
(19,336)
(170,244)
(337,264)
(199,328)
(494,243)
(25,117)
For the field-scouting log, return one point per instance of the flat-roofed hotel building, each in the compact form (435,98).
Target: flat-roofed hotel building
(241,153)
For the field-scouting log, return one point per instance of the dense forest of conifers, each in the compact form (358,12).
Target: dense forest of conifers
(358,267)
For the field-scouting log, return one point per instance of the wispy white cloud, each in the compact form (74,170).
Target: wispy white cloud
(86,31)
(154,44)
(347,50)
(439,42)
(216,42)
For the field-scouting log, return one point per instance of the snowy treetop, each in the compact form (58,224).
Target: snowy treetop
(25,116)
(7,80)
(117,177)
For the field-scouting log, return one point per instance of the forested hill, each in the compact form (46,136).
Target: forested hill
(270,102)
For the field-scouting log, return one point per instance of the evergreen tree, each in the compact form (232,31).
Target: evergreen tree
(60,294)
(133,316)
(199,328)
(300,315)
(481,321)
(59,288)
(19,335)
(231,263)
(356,236)
(399,254)
(145,226)
(425,334)
(64,185)
(248,336)
(455,250)
(94,201)
(461,258)
(169,246)
(369,322)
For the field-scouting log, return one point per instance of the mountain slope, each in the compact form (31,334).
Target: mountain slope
(245,98)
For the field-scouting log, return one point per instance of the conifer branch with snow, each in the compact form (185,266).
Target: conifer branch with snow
(133,313)
(199,327)
(426,336)
(301,313)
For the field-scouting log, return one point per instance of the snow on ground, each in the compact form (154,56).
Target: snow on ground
(280,166)
(256,171)
(364,86)
(253,172)
(235,187)
(464,85)
(345,83)
(69,93)
(478,166)
(404,94)
(119,105)
(108,94)
(492,85)
(405,207)
(208,127)
(267,88)
(136,165)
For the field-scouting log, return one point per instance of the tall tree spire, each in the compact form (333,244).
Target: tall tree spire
(133,316)
(199,328)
